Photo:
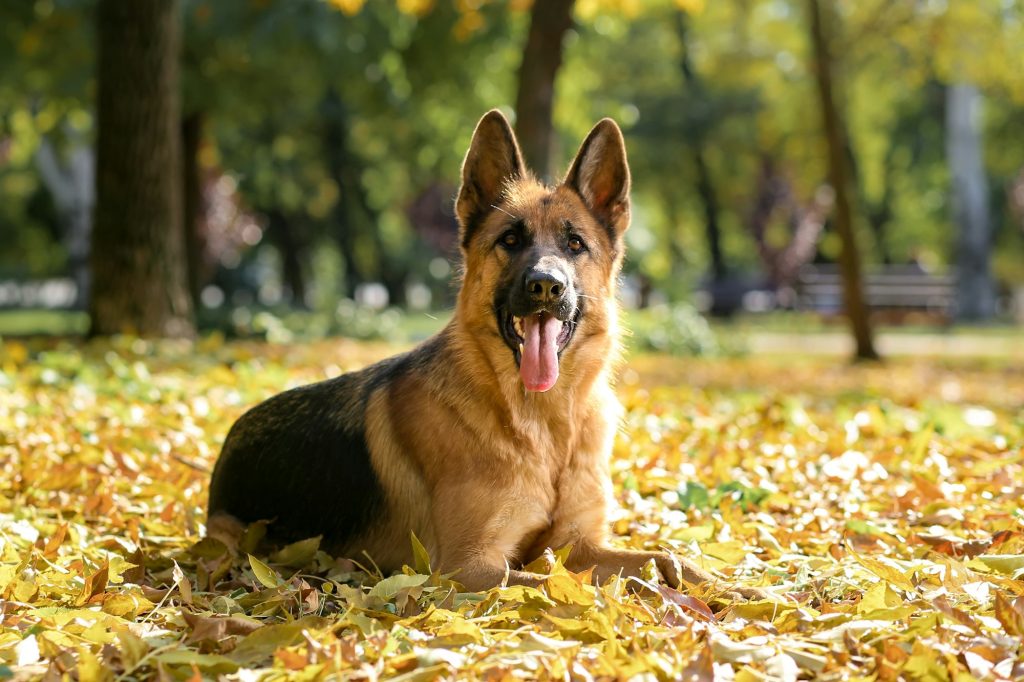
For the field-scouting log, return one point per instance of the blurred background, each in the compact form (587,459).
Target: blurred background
(288,167)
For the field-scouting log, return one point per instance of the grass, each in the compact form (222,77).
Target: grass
(42,322)
(417,325)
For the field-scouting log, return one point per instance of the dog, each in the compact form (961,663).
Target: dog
(491,440)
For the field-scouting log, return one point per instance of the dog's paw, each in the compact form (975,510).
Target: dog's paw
(736,593)
(680,573)
(671,569)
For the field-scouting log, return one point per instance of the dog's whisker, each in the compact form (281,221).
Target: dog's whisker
(499,208)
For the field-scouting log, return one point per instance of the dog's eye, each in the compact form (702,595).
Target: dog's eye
(509,240)
(575,244)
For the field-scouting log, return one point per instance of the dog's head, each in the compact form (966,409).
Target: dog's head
(541,262)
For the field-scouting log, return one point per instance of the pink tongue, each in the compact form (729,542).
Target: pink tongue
(539,364)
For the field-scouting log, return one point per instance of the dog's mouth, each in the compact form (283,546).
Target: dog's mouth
(537,341)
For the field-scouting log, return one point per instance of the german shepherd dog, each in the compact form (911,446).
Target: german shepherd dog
(491,440)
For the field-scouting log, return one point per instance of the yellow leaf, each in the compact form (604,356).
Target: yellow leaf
(183,583)
(95,583)
(877,598)
(297,554)
(389,587)
(265,574)
(90,669)
(133,648)
(893,575)
(459,631)
(127,605)
(99,633)
(1011,614)
(421,559)
(568,590)
(731,552)
(702,532)
(593,627)
(1008,564)
(25,590)
(263,642)
(925,665)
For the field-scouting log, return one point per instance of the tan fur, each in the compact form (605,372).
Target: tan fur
(486,474)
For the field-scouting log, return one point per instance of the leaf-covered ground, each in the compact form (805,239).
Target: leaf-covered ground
(880,506)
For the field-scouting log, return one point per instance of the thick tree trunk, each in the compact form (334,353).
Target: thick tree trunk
(542,56)
(849,255)
(195,211)
(976,295)
(138,256)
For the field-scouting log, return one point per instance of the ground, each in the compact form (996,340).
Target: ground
(878,505)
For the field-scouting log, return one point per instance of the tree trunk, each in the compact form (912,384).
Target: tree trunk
(353,211)
(774,194)
(705,184)
(549,22)
(195,211)
(336,143)
(712,231)
(281,231)
(976,295)
(138,260)
(849,256)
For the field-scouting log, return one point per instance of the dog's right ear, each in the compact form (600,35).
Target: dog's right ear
(493,160)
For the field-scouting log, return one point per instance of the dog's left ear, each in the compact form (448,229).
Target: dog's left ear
(600,175)
(492,161)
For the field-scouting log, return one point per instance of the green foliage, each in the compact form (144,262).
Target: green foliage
(412,78)
(349,320)
(694,495)
(678,329)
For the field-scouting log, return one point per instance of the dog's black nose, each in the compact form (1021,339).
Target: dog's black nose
(545,286)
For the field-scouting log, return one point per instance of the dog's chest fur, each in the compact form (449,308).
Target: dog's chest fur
(506,480)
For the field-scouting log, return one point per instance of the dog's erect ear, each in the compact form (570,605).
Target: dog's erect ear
(492,160)
(600,175)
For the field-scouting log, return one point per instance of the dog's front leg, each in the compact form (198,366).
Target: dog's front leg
(676,571)
(581,521)
(480,576)
(478,536)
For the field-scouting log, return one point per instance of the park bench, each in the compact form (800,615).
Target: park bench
(897,292)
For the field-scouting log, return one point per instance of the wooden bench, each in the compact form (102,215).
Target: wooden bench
(897,292)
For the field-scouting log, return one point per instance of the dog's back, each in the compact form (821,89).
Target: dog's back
(302,460)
